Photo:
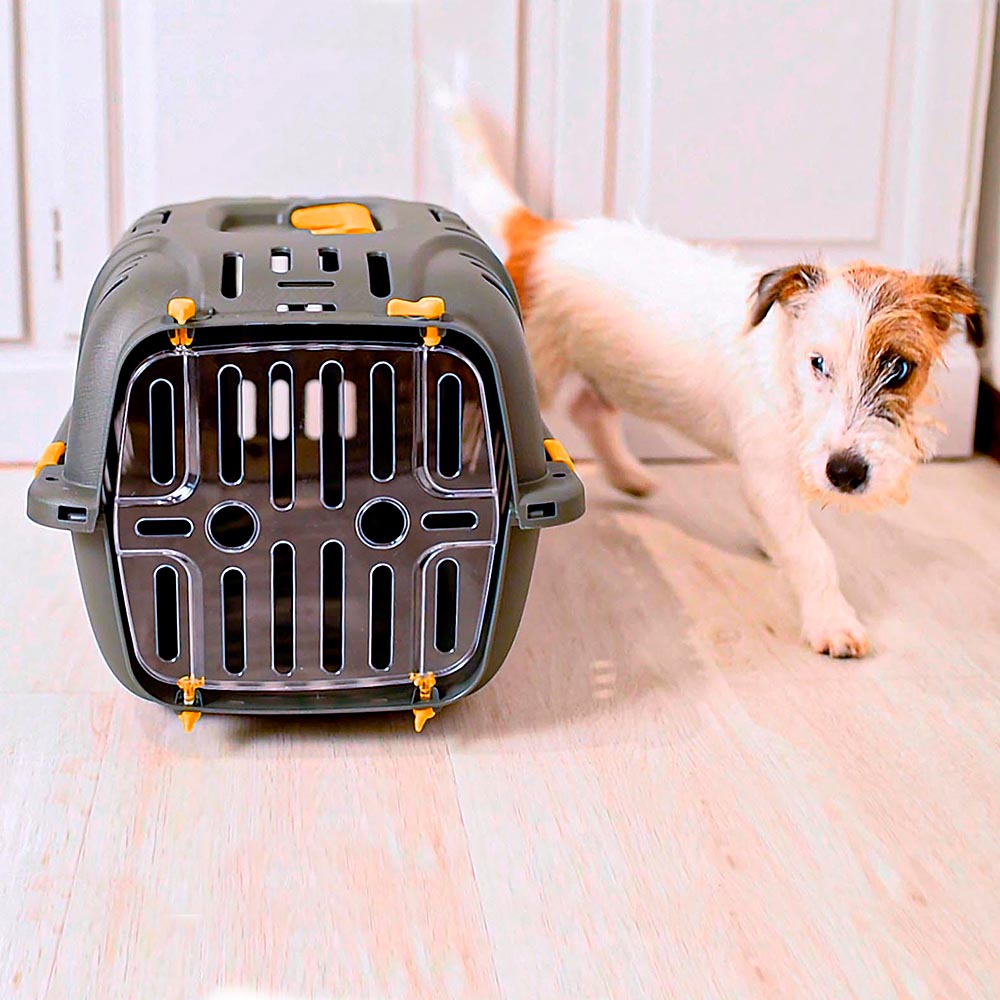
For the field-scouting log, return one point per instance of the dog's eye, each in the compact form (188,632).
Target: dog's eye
(818,364)
(897,371)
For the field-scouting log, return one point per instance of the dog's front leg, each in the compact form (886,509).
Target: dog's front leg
(829,623)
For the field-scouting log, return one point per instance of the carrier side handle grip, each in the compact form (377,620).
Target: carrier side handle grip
(54,501)
(558,497)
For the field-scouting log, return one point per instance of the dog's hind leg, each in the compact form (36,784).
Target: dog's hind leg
(601,423)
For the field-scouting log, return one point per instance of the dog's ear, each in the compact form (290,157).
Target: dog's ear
(945,297)
(783,286)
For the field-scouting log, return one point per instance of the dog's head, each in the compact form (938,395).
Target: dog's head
(860,345)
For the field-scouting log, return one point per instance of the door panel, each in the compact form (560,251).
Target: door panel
(249,98)
(12,329)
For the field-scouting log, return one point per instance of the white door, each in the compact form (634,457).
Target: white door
(775,130)
(56,232)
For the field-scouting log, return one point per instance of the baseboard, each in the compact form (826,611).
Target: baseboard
(988,420)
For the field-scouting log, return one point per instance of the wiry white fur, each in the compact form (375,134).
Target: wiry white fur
(659,328)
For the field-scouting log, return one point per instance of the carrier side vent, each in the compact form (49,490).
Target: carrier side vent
(232,275)
(378,275)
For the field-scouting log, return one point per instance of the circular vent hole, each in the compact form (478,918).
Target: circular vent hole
(231,527)
(383,523)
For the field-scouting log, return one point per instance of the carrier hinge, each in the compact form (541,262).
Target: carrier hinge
(428,307)
(424,683)
(180,310)
(190,690)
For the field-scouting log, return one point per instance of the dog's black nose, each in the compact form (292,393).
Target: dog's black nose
(847,470)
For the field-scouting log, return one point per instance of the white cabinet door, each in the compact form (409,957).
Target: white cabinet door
(61,213)
(777,129)
(312,97)
(11,329)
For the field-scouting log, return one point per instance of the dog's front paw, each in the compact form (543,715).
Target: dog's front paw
(837,633)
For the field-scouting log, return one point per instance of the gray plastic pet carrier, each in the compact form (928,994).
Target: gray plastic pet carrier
(304,468)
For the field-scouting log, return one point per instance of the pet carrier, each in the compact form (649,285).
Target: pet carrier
(304,467)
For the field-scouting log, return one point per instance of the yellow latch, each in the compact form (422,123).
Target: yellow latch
(557,452)
(51,456)
(424,684)
(428,307)
(340,219)
(189,685)
(188,719)
(180,310)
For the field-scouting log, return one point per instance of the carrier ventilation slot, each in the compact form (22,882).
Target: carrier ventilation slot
(312,417)
(378,275)
(234,625)
(380,610)
(305,307)
(283,607)
(382,421)
(329,260)
(164,527)
(281,425)
(232,275)
(446,606)
(166,613)
(435,214)
(248,410)
(332,434)
(319,283)
(230,389)
(490,280)
(449,425)
(281,260)
(162,431)
(449,520)
(332,618)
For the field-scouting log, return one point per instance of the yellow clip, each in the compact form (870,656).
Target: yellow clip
(51,456)
(180,310)
(428,307)
(188,719)
(341,219)
(189,685)
(557,452)
(420,717)
(425,684)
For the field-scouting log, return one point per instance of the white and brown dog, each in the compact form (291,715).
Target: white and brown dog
(815,379)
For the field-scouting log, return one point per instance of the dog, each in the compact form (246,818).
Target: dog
(816,380)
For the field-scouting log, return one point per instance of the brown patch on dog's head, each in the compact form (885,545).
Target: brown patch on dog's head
(910,318)
(784,286)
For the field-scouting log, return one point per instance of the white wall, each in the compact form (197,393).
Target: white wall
(770,127)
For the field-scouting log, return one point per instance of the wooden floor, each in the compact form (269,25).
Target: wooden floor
(661,794)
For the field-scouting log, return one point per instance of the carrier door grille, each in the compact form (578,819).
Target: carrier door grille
(330,518)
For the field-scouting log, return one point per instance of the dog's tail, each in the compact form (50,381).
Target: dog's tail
(486,194)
